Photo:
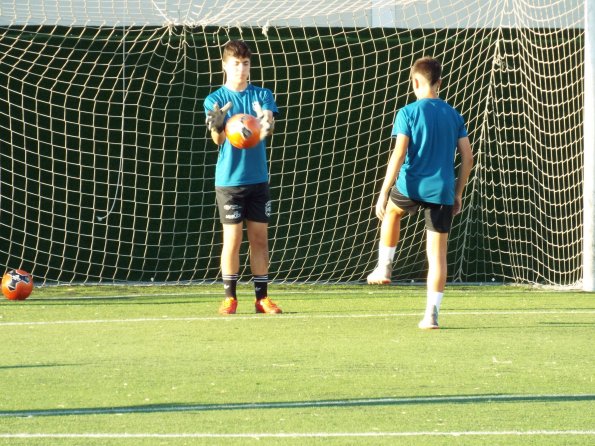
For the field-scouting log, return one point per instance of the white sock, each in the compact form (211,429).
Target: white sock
(386,254)
(434,299)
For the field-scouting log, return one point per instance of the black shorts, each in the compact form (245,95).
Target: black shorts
(239,203)
(438,216)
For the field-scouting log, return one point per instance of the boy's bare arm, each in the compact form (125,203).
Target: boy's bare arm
(464,149)
(392,170)
(217,136)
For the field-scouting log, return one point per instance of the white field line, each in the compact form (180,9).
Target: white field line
(290,316)
(388,292)
(164,408)
(384,291)
(299,434)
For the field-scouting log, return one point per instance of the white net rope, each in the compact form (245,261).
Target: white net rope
(107,171)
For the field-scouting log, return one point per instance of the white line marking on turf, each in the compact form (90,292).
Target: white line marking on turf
(289,316)
(386,292)
(301,434)
(163,408)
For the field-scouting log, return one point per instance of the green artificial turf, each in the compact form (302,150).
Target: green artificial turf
(343,365)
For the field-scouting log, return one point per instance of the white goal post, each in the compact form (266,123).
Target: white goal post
(107,171)
(589,151)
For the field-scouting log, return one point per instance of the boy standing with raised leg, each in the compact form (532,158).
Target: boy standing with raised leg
(428,132)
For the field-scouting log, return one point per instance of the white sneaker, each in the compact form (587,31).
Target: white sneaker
(431,322)
(381,275)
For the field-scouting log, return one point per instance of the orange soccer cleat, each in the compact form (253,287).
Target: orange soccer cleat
(267,306)
(228,306)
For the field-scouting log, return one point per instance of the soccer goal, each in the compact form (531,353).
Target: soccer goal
(107,170)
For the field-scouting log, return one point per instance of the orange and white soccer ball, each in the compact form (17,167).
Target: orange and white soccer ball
(17,284)
(243,131)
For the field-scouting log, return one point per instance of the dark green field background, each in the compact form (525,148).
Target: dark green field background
(98,120)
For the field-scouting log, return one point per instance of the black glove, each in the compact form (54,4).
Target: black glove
(216,117)
(266,126)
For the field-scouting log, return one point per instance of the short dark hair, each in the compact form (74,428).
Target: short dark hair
(429,68)
(236,48)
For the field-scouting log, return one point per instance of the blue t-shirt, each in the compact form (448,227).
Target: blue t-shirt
(239,167)
(433,128)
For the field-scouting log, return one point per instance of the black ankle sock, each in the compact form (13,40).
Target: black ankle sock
(261,286)
(230,283)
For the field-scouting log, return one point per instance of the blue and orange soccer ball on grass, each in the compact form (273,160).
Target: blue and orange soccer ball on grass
(17,284)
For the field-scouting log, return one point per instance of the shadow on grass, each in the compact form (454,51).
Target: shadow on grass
(364,402)
(34,366)
(568,324)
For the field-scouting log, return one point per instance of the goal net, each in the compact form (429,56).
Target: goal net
(107,170)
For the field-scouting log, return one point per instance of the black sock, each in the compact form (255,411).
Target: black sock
(261,286)
(229,285)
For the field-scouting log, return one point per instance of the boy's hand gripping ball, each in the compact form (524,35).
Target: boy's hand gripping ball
(216,117)
(265,124)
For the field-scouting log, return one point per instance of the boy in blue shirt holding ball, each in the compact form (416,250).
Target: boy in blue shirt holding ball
(241,176)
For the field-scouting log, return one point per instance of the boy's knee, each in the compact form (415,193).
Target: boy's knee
(259,240)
